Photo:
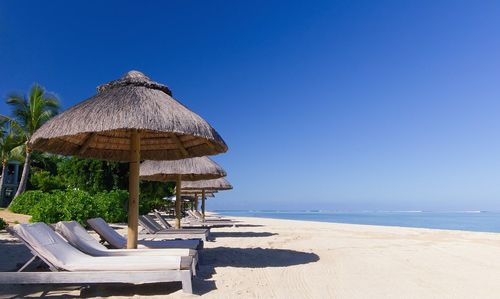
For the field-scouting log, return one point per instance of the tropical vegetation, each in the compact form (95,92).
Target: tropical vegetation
(3,224)
(8,142)
(65,188)
(28,114)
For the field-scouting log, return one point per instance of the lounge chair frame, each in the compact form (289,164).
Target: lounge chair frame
(188,225)
(150,227)
(60,276)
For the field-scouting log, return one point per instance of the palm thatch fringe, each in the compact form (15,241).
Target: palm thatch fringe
(217,184)
(200,168)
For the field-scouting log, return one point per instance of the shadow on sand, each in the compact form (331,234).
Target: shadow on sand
(94,290)
(13,254)
(241,234)
(254,257)
(213,258)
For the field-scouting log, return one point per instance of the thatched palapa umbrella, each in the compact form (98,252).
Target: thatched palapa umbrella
(201,168)
(196,193)
(129,119)
(206,185)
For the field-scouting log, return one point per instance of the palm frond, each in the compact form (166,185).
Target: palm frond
(17,153)
(32,111)
(8,142)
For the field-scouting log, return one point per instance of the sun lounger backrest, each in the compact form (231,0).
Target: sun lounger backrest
(190,213)
(107,233)
(153,222)
(77,236)
(149,224)
(198,214)
(162,220)
(48,244)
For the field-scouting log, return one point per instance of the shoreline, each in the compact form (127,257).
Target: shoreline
(479,230)
(362,224)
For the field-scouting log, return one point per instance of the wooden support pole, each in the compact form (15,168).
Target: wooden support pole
(203,203)
(133,190)
(196,202)
(178,202)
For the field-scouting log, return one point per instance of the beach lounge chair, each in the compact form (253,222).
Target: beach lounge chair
(199,216)
(195,219)
(71,266)
(115,240)
(152,227)
(78,237)
(190,223)
(163,221)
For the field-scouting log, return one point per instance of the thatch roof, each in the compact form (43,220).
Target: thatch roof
(217,184)
(100,127)
(200,168)
(198,192)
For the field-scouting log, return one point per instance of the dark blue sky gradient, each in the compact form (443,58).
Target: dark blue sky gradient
(350,105)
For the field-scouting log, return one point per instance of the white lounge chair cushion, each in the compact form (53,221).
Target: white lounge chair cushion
(77,236)
(108,233)
(59,253)
(118,241)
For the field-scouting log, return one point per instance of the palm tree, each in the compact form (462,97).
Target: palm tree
(29,114)
(8,141)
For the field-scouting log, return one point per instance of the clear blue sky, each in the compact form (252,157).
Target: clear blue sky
(347,105)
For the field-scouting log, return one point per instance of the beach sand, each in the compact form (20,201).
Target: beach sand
(297,259)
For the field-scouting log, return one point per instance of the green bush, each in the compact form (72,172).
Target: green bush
(93,176)
(112,205)
(24,203)
(49,209)
(146,205)
(3,224)
(45,181)
(65,205)
(78,205)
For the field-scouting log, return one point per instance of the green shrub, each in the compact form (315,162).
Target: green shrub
(93,176)
(78,205)
(24,203)
(45,181)
(49,209)
(112,205)
(65,205)
(3,224)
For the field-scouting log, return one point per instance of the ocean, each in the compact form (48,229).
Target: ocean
(481,221)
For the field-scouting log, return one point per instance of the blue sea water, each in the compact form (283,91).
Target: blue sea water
(480,221)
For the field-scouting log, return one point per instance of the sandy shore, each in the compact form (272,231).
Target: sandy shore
(12,218)
(296,259)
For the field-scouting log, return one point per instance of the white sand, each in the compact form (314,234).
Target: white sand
(298,259)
